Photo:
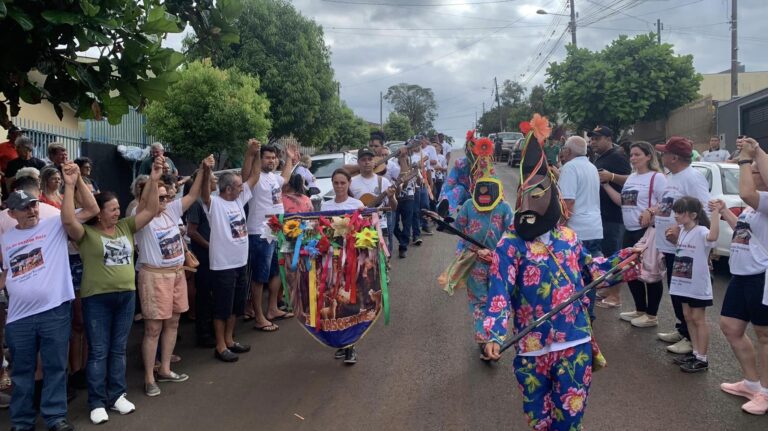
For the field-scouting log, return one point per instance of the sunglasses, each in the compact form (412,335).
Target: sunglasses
(164,198)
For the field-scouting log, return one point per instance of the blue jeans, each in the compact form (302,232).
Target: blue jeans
(593,248)
(388,232)
(423,205)
(108,318)
(404,216)
(416,213)
(48,334)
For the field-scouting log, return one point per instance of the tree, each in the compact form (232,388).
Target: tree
(209,111)
(397,127)
(348,132)
(512,93)
(415,103)
(131,66)
(288,53)
(630,80)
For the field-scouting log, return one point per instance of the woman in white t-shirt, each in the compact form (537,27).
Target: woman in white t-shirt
(343,200)
(690,275)
(643,189)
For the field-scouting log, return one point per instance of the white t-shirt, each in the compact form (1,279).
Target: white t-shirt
(688,182)
(635,194)
(749,251)
(447,148)
(349,204)
(361,186)
(159,242)
(37,263)
(443,163)
(715,156)
(266,198)
(690,273)
(393,169)
(431,153)
(579,181)
(229,236)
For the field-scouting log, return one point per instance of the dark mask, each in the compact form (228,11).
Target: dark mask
(487,194)
(538,202)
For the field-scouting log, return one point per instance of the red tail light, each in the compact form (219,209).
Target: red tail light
(736,210)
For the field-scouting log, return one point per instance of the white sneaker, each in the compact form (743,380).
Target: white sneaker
(99,416)
(670,337)
(627,316)
(681,347)
(644,321)
(123,406)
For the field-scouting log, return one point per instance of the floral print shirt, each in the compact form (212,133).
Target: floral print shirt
(456,188)
(526,282)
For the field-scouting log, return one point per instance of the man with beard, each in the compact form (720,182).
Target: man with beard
(536,266)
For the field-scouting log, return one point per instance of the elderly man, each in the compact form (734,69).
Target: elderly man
(715,154)
(683,180)
(156,150)
(34,259)
(24,148)
(57,154)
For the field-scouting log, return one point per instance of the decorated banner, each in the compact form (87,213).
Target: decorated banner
(333,265)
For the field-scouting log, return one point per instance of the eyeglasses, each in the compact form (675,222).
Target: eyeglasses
(164,198)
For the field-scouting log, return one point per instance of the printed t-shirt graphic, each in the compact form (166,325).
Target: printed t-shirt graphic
(24,260)
(690,272)
(237,224)
(629,198)
(159,242)
(749,255)
(117,251)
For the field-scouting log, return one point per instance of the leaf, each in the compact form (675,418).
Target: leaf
(153,88)
(160,22)
(129,91)
(89,9)
(58,110)
(3,9)
(230,9)
(30,93)
(115,108)
(96,109)
(59,17)
(581,359)
(21,18)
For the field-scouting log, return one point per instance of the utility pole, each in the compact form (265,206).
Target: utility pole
(573,24)
(734,52)
(483,108)
(659,28)
(498,103)
(381,109)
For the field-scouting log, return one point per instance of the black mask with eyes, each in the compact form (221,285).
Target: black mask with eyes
(538,201)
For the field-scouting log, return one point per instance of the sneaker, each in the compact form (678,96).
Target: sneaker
(172,378)
(694,366)
(670,337)
(417,242)
(644,321)
(758,405)
(123,406)
(340,354)
(225,356)
(627,316)
(682,359)
(681,347)
(739,389)
(99,416)
(426,231)
(351,356)
(151,389)
(402,254)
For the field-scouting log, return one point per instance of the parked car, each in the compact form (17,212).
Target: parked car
(509,140)
(517,154)
(723,179)
(393,146)
(322,168)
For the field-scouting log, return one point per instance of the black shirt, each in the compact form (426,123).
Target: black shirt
(16,164)
(196,215)
(614,161)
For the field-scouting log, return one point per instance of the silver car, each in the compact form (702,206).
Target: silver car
(723,179)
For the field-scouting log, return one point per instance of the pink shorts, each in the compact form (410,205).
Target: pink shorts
(163,292)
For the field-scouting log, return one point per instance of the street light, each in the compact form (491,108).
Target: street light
(572,24)
(543,12)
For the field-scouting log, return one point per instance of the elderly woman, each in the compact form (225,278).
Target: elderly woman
(50,179)
(106,245)
(86,165)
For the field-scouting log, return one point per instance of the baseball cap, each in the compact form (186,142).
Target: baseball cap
(364,152)
(678,146)
(600,131)
(19,200)
(12,130)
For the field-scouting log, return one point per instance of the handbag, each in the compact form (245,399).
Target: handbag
(190,260)
(652,268)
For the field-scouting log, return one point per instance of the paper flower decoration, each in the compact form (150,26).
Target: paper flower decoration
(366,238)
(340,226)
(323,244)
(292,228)
(541,128)
(470,135)
(269,234)
(274,223)
(311,248)
(525,127)
(483,147)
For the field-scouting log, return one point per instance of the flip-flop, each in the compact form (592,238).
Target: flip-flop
(286,315)
(607,304)
(267,328)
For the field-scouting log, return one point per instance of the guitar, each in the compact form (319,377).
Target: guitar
(380,163)
(373,201)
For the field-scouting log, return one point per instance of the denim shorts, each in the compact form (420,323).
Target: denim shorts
(262,259)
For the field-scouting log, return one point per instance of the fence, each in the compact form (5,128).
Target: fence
(43,134)
(130,131)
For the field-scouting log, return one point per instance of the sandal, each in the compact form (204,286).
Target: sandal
(286,315)
(268,328)
(608,304)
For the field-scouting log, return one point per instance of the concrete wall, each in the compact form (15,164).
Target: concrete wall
(694,121)
(718,85)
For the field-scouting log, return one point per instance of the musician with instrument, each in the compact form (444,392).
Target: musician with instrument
(425,157)
(373,190)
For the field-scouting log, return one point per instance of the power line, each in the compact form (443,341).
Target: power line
(500,27)
(350,2)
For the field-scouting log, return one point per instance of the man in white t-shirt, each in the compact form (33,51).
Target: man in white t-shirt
(228,250)
(267,199)
(376,186)
(447,148)
(683,180)
(715,154)
(39,312)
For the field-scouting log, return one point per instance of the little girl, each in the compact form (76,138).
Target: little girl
(690,276)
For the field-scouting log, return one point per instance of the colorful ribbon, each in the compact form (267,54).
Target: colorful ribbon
(281,265)
(313,321)
(384,286)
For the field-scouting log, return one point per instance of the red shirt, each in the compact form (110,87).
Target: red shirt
(7,153)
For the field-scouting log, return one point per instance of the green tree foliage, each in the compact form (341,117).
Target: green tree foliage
(517,106)
(631,80)
(348,132)
(287,52)
(209,111)
(397,127)
(131,66)
(415,103)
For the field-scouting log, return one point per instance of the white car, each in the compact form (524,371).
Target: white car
(322,168)
(723,179)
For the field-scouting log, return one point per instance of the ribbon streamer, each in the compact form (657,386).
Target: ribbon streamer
(384,286)
(313,322)
(281,264)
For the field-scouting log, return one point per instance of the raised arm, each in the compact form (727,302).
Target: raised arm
(252,162)
(149,195)
(87,201)
(202,177)
(71,174)
(292,154)
(750,151)
(714,222)
(205,192)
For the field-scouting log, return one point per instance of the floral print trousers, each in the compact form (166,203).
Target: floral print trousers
(555,387)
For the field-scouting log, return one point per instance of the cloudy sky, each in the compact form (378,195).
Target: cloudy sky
(457,48)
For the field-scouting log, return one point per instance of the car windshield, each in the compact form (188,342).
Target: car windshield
(323,168)
(730,181)
(510,136)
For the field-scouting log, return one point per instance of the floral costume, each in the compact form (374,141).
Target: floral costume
(456,189)
(554,362)
(486,227)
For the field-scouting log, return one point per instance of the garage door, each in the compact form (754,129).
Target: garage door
(754,122)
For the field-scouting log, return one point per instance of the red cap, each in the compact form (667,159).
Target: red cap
(678,146)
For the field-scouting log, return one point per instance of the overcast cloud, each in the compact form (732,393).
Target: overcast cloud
(456,50)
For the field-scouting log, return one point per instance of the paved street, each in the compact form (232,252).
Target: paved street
(422,373)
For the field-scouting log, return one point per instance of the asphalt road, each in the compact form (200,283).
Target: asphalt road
(422,373)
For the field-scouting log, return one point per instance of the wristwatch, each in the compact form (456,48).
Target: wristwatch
(745,162)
